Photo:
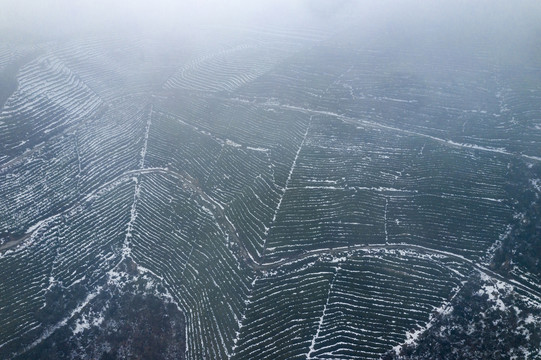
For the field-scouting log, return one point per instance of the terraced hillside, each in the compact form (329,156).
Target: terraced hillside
(291,194)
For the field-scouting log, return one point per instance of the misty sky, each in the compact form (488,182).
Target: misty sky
(67,17)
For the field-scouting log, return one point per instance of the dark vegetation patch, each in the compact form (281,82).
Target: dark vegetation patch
(120,323)
(8,77)
(480,327)
(522,248)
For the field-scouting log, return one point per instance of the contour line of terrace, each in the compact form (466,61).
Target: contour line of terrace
(225,224)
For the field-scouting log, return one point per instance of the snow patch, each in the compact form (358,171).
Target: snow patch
(232,143)
(493,289)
